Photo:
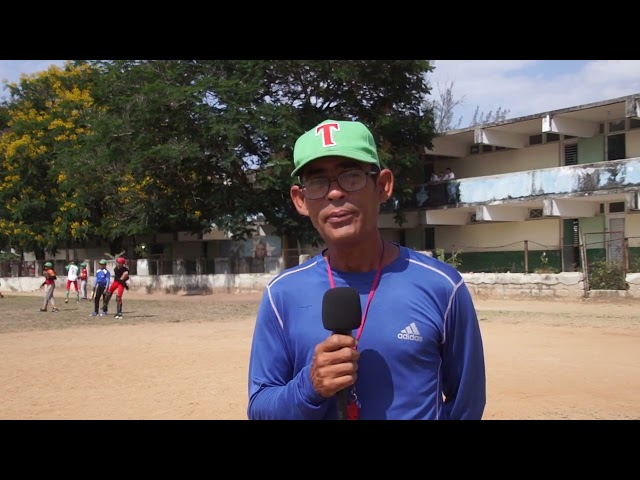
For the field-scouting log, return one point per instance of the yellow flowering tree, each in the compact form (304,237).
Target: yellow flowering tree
(44,122)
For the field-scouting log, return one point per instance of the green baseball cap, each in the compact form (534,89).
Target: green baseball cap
(335,138)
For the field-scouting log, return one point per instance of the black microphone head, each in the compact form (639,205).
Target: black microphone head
(341,310)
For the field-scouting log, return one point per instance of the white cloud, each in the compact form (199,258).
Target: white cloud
(527,87)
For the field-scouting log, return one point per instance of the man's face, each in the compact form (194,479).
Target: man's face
(341,216)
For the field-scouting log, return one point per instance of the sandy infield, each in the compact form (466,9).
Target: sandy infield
(172,360)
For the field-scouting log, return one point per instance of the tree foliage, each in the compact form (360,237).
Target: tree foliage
(443,108)
(43,124)
(112,149)
(445,104)
(481,118)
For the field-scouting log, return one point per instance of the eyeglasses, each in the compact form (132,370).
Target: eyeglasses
(349,181)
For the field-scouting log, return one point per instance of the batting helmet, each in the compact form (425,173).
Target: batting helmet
(121,260)
(48,264)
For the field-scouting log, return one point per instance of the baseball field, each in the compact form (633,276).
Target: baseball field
(186,356)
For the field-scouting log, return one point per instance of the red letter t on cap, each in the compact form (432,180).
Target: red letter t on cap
(326,130)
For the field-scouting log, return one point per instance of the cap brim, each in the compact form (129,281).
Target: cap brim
(358,156)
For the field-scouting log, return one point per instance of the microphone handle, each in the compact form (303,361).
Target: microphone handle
(342,397)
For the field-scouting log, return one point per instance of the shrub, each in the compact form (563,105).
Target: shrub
(605,275)
(544,265)
(451,259)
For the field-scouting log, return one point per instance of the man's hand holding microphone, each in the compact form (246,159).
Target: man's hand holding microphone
(335,360)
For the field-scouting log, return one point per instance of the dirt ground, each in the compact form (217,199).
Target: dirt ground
(186,357)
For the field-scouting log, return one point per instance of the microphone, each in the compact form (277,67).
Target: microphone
(341,313)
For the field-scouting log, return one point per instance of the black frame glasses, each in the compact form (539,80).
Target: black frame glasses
(348,181)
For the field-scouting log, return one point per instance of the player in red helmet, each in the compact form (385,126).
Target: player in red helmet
(119,284)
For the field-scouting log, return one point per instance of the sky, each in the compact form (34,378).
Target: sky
(529,87)
(12,69)
(523,87)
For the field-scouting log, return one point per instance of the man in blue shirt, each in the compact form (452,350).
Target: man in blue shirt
(418,351)
(101,284)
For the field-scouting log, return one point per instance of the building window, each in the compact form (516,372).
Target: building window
(571,154)
(429,239)
(617,126)
(634,123)
(535,139)
(612,207)
(535,213)
(552,137)
(616,147)
(616,207)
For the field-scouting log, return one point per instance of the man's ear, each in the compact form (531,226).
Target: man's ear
(385,184)
(297,196)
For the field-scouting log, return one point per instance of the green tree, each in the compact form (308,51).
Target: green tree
(110,149)
(166,150)
(218,135)
(443,108)
(295,95)
(445,104)
(481,118)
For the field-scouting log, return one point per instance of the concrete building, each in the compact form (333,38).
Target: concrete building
(541,184)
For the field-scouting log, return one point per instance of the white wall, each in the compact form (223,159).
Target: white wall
(592,229)
(503,285)
(541,234)
(632,229)
(505,161)
(633,143)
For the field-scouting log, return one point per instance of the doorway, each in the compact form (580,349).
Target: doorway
(615,243)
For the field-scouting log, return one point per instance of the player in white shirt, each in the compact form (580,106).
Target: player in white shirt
(72,278)
(452,193)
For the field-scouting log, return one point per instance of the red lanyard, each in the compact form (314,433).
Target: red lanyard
(376,280)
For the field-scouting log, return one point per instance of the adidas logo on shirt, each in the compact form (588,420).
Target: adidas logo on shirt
(410,333)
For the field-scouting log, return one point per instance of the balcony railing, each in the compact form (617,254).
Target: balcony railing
(571,180)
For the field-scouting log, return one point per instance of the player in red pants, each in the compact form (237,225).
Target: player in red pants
(119,284)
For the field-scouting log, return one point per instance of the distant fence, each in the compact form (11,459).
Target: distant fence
(522,257)
(527,256)
(154,265)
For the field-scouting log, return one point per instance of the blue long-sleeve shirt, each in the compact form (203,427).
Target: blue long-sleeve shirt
(421,351)
(103,277)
